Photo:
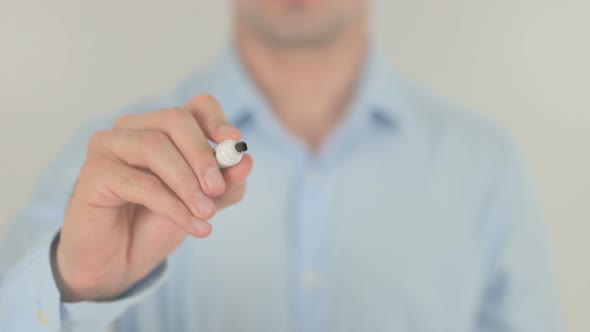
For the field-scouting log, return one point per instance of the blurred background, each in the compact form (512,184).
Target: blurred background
(524,63)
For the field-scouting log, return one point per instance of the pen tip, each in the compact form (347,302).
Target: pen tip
(241,147)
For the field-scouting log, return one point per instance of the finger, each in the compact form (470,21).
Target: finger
(210,116)
(138,187)
(231,196)
(186,134)
(235,177)
(154,150)
(238,173)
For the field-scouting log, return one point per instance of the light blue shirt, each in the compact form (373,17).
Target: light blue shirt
(415,216)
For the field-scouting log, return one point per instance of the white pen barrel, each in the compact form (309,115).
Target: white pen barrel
(229,152)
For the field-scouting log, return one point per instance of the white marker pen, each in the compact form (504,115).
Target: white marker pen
(229,152)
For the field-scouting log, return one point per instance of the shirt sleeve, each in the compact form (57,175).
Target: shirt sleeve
(520,294)
(29,298)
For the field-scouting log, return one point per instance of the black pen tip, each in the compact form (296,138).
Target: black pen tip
(241,147)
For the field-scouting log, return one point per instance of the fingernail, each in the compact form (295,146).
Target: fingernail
(202,227)
(214,180)
(205,205)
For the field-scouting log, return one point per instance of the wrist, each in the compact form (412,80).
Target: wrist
(73,287)
(57,276)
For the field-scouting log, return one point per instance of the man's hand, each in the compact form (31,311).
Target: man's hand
(144,186)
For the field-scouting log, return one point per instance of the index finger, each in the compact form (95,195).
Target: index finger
(185,132)
(211,118)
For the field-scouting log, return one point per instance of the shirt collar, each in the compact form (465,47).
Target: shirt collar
(378,99)
(229,78)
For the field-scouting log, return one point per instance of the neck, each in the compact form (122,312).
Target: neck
(308,89)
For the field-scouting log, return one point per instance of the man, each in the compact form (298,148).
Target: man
(372,206)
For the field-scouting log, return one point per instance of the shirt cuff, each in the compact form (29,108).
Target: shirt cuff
(80,315)
(30,294)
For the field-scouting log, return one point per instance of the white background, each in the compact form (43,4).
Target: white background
(525,63)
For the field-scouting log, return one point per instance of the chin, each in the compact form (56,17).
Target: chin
(299,23)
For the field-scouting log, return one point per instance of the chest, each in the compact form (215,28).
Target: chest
(393,247)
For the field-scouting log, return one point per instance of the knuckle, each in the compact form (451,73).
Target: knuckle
(155,141)
(123,120)
(206,100)
(128,179)
(174,116)
(150,184)
(96,139)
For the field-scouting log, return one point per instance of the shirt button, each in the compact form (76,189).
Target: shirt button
(311,280)
(42,317)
